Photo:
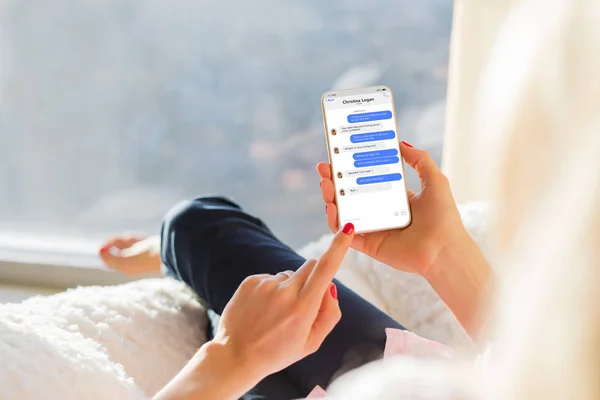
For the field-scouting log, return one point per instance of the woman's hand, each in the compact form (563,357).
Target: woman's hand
(271,322)
(436,222)
(132,255)
(436,245)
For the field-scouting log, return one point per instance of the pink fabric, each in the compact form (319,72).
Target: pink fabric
(316,393)
(407,343)
(404,343)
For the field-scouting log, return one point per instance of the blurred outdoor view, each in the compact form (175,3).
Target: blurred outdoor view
(113,110)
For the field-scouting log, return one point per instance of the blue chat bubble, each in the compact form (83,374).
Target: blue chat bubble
(367,180)
(375,154)
(370,116)
(376,161)
(372,137)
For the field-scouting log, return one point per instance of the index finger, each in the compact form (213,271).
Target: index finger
(324,272)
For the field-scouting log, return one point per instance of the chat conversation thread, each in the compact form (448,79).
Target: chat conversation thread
(366,162)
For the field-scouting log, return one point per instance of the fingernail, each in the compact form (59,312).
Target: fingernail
(333,291)
(348,228)
(325,209)
(104,249)
(407,144)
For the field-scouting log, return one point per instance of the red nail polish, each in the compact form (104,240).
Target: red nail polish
(348,228)
(333,291)
(104,249)
(407,144)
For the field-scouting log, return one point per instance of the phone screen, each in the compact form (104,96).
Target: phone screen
(364,153)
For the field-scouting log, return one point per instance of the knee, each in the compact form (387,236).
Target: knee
(177,238)
(194,224)
(177,216)
(194,213)
(180,228)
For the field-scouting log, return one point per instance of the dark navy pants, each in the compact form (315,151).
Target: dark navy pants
(211,244)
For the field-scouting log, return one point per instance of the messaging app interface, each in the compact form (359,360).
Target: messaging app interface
(365,160)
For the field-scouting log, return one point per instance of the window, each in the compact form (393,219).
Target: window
(113,110)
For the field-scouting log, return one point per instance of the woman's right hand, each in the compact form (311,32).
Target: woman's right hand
(436,222)
(271,322)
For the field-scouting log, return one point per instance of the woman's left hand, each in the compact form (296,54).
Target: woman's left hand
(271,322)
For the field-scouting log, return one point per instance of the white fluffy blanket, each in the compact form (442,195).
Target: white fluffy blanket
(127,341)
(118,342)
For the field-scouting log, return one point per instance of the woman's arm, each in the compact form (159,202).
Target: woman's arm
(461,276)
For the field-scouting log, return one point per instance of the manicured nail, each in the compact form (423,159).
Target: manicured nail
(407,144)
(333,291)
(348,228)
(104,249)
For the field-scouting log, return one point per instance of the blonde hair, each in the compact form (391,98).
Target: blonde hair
(539,117)
(538,124)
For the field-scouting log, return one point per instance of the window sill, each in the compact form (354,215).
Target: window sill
(52,263)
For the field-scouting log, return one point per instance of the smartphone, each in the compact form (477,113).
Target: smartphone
(364,153)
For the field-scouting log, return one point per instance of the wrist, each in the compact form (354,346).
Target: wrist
(450,255)
(213,372)
(461,276)
(222,357)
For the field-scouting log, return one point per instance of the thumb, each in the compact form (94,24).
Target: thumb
(421,161)
(327,318)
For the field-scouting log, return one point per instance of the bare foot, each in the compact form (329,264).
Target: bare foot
(132,255)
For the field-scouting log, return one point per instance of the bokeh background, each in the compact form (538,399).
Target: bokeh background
(113,110)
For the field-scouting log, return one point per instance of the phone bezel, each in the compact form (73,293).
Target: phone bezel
(359,91)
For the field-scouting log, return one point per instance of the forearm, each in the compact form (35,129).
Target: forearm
(462,278)
(211,374)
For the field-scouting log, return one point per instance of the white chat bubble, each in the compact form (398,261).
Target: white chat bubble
(360,128)
(364,146)
(379,170)
(380,187)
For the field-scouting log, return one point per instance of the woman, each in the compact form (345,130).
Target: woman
(538,119)
(289,307)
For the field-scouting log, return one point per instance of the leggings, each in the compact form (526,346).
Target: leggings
(212,245)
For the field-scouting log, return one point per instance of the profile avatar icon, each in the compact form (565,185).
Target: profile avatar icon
(336,150)
(333,132)
(342,193)
(339,175)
